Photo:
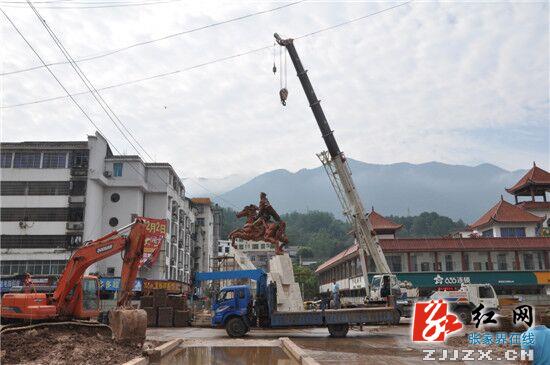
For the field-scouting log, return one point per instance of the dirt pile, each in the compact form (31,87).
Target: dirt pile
(64,345)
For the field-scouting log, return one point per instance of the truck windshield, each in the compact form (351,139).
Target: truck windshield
(90,300)
(486,292)
(226,295)
(375,282)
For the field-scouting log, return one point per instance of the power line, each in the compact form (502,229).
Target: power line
(106,5)
(97,96)
(64,88)
(125,48)
(200,65)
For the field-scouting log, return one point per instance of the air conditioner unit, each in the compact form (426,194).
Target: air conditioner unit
(75,226)
(107,174)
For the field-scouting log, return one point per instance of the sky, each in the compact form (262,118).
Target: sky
(455,82)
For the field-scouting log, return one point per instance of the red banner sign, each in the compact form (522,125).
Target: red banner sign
(156,234)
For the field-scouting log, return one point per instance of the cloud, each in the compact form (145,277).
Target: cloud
(426,81)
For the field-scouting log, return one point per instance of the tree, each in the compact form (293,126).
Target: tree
(305,252)
(309,285)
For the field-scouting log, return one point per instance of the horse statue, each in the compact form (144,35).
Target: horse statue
(260,227)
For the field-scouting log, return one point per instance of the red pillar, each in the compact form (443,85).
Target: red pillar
(409,261)
(463,259)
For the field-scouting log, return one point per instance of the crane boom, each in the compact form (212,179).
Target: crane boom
(337,168)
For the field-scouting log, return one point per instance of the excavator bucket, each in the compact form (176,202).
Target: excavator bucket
(128,325)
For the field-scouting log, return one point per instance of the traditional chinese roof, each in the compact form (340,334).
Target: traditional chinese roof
(529,205)
(534,177)
(446,245)
(505,212)
(380,223)
(203,201)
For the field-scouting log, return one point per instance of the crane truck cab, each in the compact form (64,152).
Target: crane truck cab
(383,285)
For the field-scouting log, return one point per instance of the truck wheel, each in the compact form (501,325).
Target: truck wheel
(338,330)
(465,315)
(236,327)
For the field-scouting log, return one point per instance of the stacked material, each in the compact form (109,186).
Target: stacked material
(165,310)
(289,297)
(202,318)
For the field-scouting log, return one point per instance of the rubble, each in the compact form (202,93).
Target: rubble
(64,345)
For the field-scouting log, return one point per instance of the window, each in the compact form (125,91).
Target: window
(486,292)
(540,257)
(425,266)
(254,246)
(395,263)
(528,262)
(35,241)
(501,262)
(200,221)
(113,222)
(449,262)
(78,188)
(227,249)
(115,197)
(79,159)
(27,160)
(76,214)
(414,263)
(5,159)
(220,248)
(117,169)
(466,262)
(34,214)
(512,232)
(487,233)
(34,267)
(477,266)
(54,160)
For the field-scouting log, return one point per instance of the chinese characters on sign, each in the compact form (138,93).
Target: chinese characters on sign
(440,280)
(523,313)
(432,322)
(156,233)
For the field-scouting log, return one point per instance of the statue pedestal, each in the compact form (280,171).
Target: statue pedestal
(289,297)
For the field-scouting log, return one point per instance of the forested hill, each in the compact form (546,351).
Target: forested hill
(326,236)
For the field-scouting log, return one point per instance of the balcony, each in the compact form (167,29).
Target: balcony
(79,171)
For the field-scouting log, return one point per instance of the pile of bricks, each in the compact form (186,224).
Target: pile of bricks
(165,310)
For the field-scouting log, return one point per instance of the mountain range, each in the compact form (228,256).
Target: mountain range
(457,191)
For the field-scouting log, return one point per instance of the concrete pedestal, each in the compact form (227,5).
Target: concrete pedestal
(289,297)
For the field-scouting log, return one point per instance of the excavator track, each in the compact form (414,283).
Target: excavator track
(15,327)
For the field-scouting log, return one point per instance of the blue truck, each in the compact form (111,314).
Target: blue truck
(237,310)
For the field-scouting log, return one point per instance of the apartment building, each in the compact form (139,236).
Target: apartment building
(57,195)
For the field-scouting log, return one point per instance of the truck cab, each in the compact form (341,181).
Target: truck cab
(469,297)
(382,286)
(233,310)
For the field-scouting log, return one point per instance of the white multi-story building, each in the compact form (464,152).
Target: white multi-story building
(207,234)
(56,195)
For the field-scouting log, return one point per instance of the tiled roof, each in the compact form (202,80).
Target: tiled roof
(382,223)
(505,212)
(534,176)
(204,201)
(446,244)
(534,205)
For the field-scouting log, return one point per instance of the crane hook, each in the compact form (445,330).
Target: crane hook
(283,94)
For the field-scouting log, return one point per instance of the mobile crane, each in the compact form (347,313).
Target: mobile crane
(336,167)
(76,296)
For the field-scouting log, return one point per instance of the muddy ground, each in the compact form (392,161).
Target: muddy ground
(62,345)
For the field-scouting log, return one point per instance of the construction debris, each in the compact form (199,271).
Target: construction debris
(64,345)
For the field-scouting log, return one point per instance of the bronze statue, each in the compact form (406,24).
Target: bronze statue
(259,225)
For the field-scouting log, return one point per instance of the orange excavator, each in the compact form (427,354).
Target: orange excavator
(76,297)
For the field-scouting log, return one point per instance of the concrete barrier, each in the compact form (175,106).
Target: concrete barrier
(297,352)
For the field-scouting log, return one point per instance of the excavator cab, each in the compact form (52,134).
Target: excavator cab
(88,306)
